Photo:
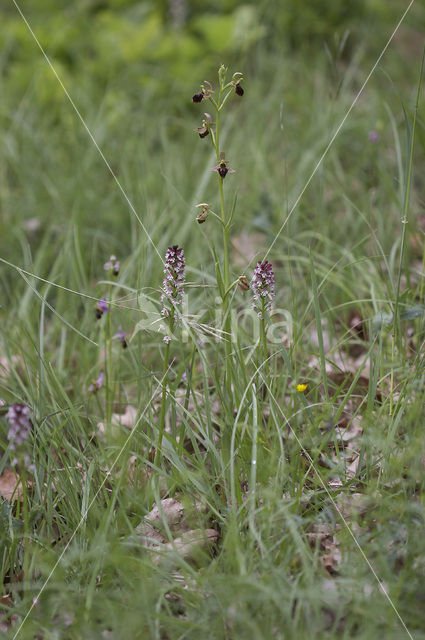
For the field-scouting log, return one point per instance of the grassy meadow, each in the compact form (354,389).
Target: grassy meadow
(247,477)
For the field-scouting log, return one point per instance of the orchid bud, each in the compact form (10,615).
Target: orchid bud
(203,215)
(243,283)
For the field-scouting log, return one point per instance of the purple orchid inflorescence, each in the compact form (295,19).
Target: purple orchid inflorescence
(173,283)
(262,284)
(19,419)
(20,428)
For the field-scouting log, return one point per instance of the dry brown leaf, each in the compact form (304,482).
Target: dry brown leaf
(349,429)
(192,542)
(171,511)
(354,504)
(353,466)
(126,419)
(321,535)
(10,485)
(358,330)
(332,560)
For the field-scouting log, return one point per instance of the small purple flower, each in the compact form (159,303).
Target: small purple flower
(97,384)
(112,265)
(122,337)
(19,419)
(101,308)
(262,284)
(373,136)
(173,283)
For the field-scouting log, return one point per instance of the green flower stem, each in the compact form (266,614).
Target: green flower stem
(226,271)
(164,395)
(264,354)
(25,512)
(109,391)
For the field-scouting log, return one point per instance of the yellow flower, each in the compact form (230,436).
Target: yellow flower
(301,388)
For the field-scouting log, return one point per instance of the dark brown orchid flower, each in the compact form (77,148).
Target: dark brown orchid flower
(222,169)
(207,123)
(205,93)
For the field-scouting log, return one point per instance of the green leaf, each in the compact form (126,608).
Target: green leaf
(381,320)
(412,313)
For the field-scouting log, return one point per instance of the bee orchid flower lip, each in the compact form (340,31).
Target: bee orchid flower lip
(101,308)
(205,93)
(122,337)
(223,167)
(203,131)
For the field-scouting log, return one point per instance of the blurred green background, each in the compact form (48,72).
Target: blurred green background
(132,67)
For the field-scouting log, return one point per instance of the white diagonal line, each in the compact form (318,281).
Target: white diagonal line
(341,515)
(331,141)
(232,452)
(130,204)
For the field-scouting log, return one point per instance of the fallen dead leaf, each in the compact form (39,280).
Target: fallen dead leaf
(358,330)
(188,544)
(10,485)
(332,560)
(349,429)
(171,511)
(126,419)
(322,536)
(192,542)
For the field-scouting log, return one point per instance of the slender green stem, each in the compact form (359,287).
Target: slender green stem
(226,270)
(264,355)
(164,396)
(225,238)
(23,478)
(108,367)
